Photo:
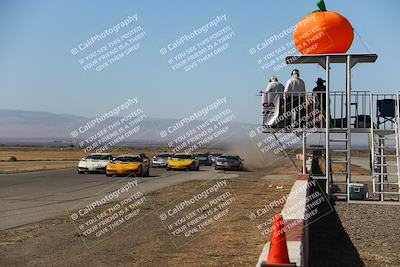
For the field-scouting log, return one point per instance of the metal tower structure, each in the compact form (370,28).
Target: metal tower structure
(341,120)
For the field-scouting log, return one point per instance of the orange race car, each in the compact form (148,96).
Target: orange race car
(182,161)
(125,165)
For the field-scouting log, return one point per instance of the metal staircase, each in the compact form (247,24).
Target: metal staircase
(386,162)
(338,179)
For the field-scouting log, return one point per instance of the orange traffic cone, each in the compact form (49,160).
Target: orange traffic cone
(278,252)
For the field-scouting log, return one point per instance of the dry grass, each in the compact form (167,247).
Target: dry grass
(355,170)
(28,159)
(39,153)
(28,166)
(50,158)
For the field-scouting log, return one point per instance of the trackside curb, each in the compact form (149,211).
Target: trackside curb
(297,236)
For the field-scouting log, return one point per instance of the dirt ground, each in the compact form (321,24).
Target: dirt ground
(352,235)
(373,230)
(356,235)
(233,241)
(40,153)
(28,166)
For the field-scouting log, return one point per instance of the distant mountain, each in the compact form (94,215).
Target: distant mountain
(33,125)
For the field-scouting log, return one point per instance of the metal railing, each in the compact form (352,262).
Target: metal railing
(307,110)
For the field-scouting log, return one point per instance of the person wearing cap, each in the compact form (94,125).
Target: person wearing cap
(319,93)
(274,91)
(294,93)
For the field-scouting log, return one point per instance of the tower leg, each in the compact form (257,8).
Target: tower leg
(304,153)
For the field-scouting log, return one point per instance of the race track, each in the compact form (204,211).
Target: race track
(35,196)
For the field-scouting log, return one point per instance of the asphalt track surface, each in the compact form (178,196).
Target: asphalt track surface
(35,196)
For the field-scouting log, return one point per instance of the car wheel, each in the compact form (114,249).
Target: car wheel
(81,172)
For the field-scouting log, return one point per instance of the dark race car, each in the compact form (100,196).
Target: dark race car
(229,162)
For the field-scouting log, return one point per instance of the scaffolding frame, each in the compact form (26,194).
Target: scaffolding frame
(325,61)
(348,104)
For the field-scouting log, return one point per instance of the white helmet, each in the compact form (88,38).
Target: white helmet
(296,72)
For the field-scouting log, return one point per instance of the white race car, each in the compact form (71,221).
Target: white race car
(94,163)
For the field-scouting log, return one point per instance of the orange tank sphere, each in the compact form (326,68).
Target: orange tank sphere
(323,32)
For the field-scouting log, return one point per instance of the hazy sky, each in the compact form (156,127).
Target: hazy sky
(38,71)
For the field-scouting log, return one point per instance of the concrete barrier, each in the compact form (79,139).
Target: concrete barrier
(294,215)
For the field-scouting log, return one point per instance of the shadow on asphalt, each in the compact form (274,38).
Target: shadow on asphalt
(235,171)
(329,243)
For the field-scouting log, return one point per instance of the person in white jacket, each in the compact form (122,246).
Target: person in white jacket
(295,84)
(273,98)
(274,89)
(295,94)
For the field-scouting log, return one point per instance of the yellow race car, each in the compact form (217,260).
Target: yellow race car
(124,165)
(180,161)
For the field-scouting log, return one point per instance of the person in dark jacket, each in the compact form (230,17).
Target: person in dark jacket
(320,99)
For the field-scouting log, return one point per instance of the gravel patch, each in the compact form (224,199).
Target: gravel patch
(356,235)
(374,231)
